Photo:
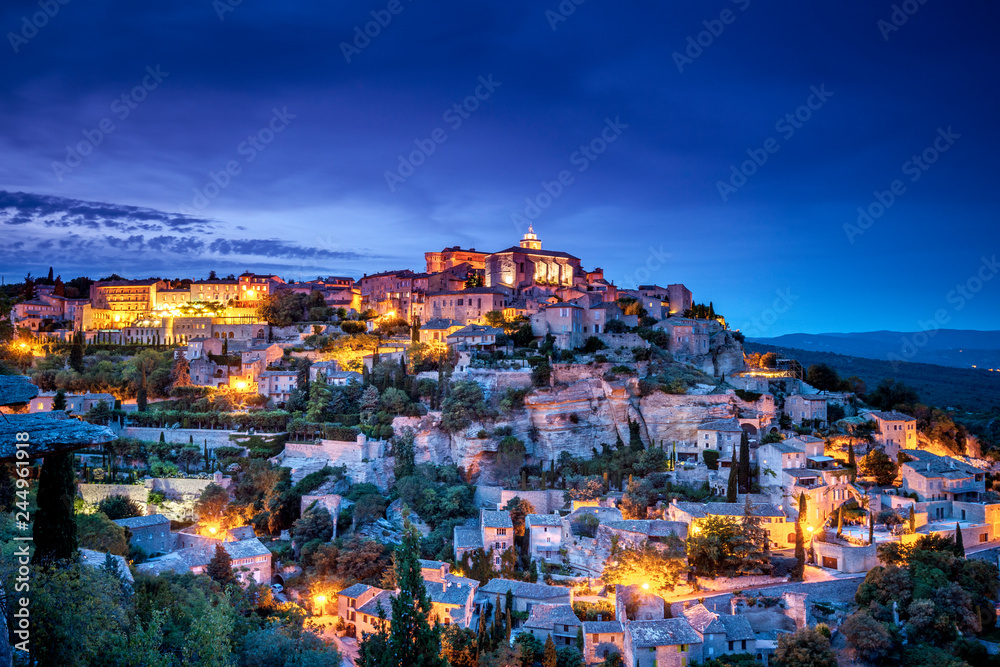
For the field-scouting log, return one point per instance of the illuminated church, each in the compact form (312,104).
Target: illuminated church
(526,265)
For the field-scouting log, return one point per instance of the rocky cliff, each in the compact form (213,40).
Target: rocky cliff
(578,414)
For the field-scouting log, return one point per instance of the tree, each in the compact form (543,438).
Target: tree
(851,462)
(314,524)
(877,464)
(180,372)
(211,504)
(369,509)
(800,548)
(721,545)
(550,658)
(220,568)
(889,517)
(99,533)
(823,377)
(207,643)
(76,353)
(319,399)
(412,640)
(731,488)
(959,541)
(635,503)
(869,638)
(465,404)
(458,646)
(744,470)
(807,647)
(119,507)
(661,566)
(59,402)
(519,510)
(711,458)
(404,453)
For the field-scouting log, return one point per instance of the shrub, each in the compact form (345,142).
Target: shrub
(119,507)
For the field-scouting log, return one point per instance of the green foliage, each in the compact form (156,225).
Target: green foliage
(211,503)
(807,647)
(711,458)
(465,404)
(99,533)
(119,507)
(314,524)
(593,344)
(877,464)
(662,566)
(748,396)
(728,547)
(220,568)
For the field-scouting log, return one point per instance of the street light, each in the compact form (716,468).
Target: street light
(320,600)
(645,587)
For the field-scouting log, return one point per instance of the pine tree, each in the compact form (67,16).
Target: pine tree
(550,658)
(54,529)
(412,640)
(744,478)
(220,568)
(59,402)
(959,542)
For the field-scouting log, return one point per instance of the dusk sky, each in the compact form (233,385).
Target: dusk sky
(309,194)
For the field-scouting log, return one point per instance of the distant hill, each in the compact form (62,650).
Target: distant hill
(945,347)
(968,389)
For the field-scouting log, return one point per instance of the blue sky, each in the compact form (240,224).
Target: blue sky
(264,99)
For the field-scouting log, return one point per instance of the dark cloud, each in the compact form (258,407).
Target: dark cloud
(21,208)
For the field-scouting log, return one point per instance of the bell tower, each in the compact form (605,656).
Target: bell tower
(530,240)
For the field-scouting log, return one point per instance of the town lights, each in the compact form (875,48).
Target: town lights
(213,529)
(645,587)
(320,601)
(241,385)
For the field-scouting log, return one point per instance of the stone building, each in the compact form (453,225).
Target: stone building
(150,533)
(544,536)
(601,639)
(934,477)
(772,516)
(721,634)
(454,256)
(78,404)
(895,431)
(527,265)
(467,306)
(553,620)
(800,407)
(526,595)
(668,642)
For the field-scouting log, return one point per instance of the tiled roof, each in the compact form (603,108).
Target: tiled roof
(703,620)
(932,465)
(892,416)
(799,473)
(543,520)
(700,510)
(354,591)
(784,447)
(737,627)
(431,564)
(495,519)
(523,589)
(449,592)
(650,527)
(476,330)
(371,607)
(529,251)
(602,627)
(439,323)
(143,521)
(664,632)
(808,397)
(727,425)
(246,548)
(468,538)
(548,615)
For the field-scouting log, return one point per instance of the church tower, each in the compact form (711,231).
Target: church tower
(530,240)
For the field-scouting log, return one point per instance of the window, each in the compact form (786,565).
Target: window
(743,644)
(596,639)
(731,645)
(682,648)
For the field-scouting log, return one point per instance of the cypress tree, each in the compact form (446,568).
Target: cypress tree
(744,478)
(913,521)
(54,529)
(731,495)
(550,658)
(412,640)
(959,542)
(851,462)
(871,527)
(800,554)
(220,568)
(76,353)
(840,520)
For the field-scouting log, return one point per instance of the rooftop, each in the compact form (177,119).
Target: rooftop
(468,538)
(543,520)
(143,521)
(602,627)
(664,632)
(523,589)
(495,519)
(891,416)
(701,510)
(354,591)
(931,465)
(729,425)
(548,615)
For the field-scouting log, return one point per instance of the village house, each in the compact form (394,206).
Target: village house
(564,321)
(687,337)
(454,256)
(361,605)
(553,620)
(215,291)
(895,431)
(934,477)
(806,407)
(277,385)
(467,306)
(721,634)
(251,560)
(475,337)
(150,533)
(544,536)
(438,330)
(526,266)
(721,435)
(394,293)
(668,642)
(601,639)
(495,532)
(526,595)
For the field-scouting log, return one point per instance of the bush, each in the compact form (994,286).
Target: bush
(711,457)
(593,344)
(119,507)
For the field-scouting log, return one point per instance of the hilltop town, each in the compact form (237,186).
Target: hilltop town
(504,450)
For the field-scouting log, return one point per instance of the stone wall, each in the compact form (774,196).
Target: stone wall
(95,493)
(850,559)
(625,340)
(735,583)
(214,438)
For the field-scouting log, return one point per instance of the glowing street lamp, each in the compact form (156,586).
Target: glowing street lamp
(645,587)
(320,601)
